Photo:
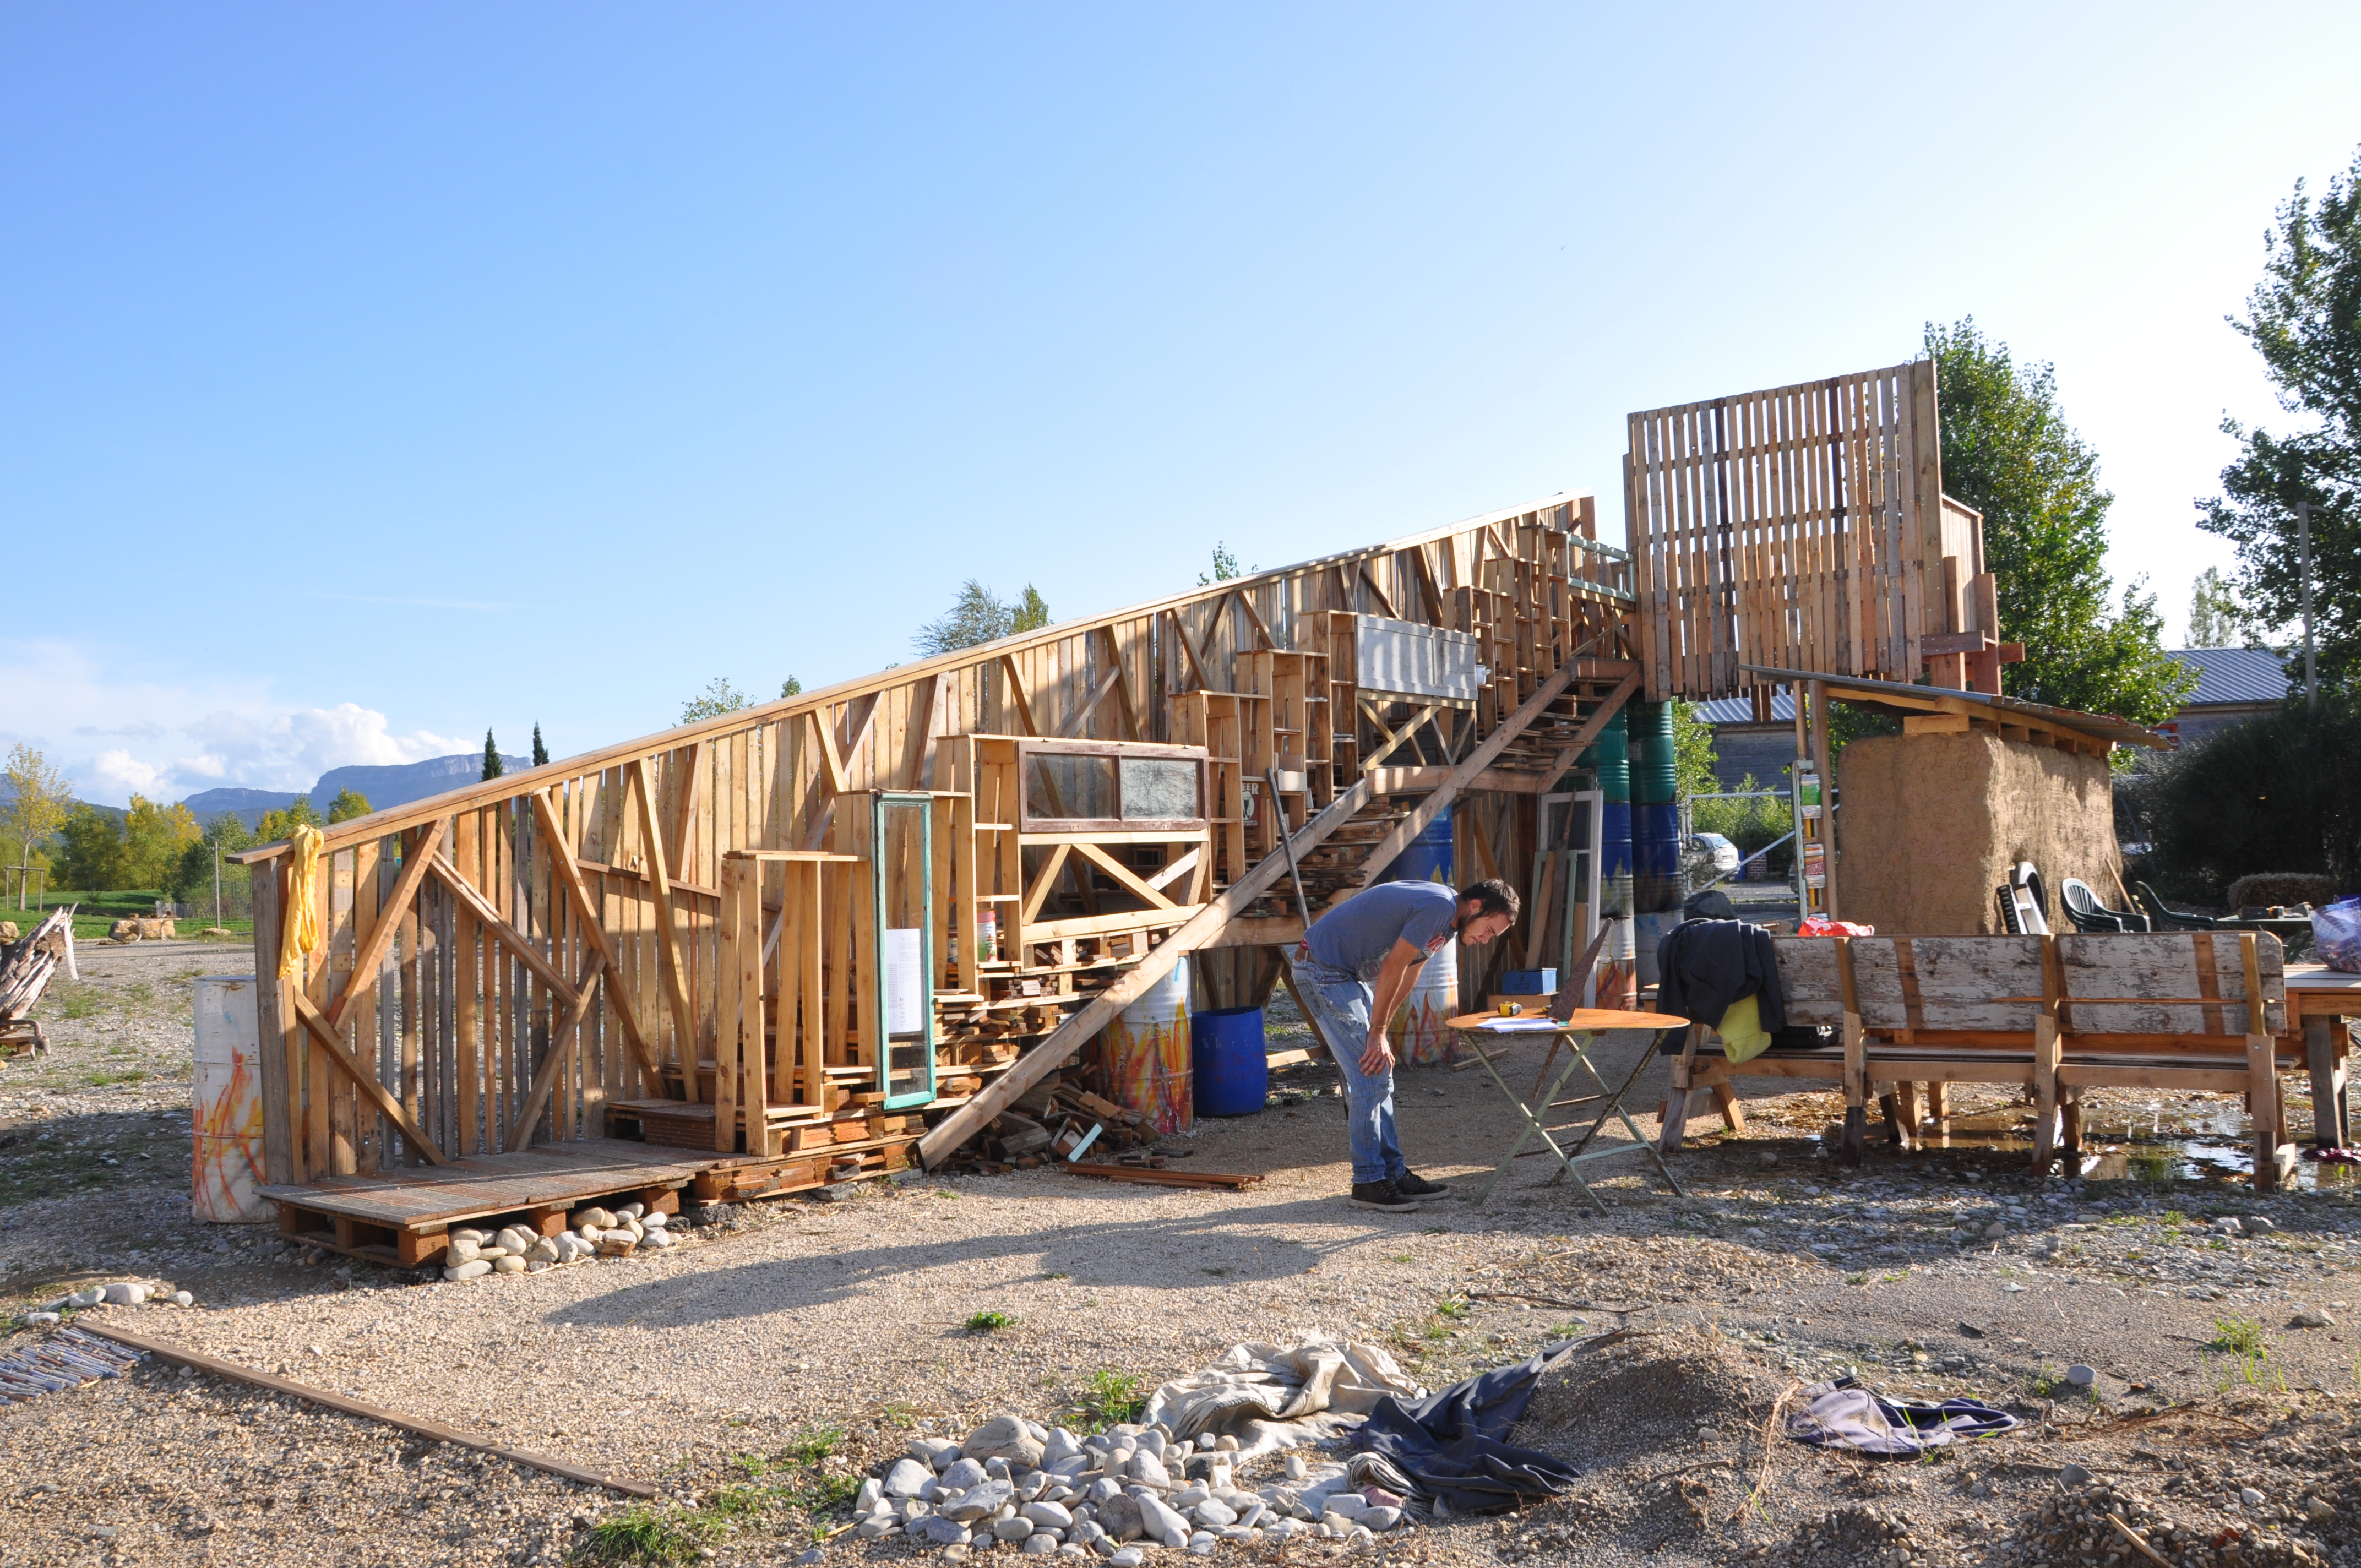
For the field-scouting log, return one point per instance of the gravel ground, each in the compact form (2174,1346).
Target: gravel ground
(707,1369)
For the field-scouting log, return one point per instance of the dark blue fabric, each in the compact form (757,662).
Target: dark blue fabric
(1450,1444)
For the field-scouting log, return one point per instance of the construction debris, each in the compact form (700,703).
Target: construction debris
(25,967)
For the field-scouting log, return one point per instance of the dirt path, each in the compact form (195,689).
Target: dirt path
(698,1368)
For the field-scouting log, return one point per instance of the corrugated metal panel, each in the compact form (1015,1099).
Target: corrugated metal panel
(1403,658)
(2233,674)
(1741,710)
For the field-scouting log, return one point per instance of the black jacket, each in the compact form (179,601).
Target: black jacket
(1703,966)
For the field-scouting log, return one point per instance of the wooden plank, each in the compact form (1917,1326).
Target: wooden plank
(562,1045)
(1124,875)
(279,1037)
(674,979)
(381,941)
(594,929)
(362,1078)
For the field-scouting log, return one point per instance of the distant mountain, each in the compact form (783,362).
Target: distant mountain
(393,785)
(402,782)
(246,805)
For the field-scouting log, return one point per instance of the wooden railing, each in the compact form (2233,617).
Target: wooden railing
(504,960)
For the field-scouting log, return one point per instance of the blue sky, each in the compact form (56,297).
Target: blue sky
(372,375)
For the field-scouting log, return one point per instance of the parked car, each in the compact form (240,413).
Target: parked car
(1713,854)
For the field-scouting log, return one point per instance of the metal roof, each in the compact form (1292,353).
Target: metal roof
(2225,676)
(2231,675)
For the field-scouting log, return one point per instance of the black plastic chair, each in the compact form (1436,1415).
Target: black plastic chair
(2162,918)
(2084,908)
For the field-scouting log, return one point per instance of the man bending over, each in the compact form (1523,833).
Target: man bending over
(1355,966)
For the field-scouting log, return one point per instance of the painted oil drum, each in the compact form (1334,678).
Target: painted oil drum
(1417,1027)
(225,1104)
(1148,1054)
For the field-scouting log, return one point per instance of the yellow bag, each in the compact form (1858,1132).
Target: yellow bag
(1742,1036)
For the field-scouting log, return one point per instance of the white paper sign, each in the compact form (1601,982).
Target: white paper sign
(904,983)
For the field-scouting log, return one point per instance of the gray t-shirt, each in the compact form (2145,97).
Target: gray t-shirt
(1356,935)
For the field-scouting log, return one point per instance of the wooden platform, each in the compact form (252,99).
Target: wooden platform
(404,1218)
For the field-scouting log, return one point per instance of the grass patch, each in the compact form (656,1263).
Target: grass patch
(2239,1336)
(1111,1397)
(105,1080)
(1216,1273)
(1402,1258)
(986,1323)
(1454,1311)
(1056,1274)
(79,1001)
(776,1487)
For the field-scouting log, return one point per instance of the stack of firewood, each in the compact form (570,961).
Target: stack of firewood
(26,966)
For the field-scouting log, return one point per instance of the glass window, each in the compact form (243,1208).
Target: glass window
(1158,788)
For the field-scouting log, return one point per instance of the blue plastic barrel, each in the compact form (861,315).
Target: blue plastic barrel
(1426,858)
(1229,1060)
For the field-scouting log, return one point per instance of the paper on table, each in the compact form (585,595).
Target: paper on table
(1521,1025)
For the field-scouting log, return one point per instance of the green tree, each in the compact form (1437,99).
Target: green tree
(715,700)
(1693,754)
(2304,319)
(540,752)
(192,881)
(38,802)
(493,766)
(93,862)
(1030,612)
(278,825)
(348,804)
(154,836)
(2009,453)
(976,616)
(1225,566)
(791,688)
(2216,618)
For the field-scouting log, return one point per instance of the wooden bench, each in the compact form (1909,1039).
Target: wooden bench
(2189,1009)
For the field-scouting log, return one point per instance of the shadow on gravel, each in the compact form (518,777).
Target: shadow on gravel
(67,1154)
(1180,1253)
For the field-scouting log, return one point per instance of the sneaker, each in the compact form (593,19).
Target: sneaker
(1381,1195)
(1410,1184)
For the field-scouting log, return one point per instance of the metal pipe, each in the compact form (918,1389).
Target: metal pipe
(2303,535)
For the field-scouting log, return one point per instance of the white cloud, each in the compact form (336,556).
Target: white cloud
(60,697)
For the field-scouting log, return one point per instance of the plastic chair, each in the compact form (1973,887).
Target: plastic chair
(2162,918)
(2084,908)
(2025,903)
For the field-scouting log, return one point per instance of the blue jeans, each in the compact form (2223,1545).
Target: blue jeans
(1340,1005)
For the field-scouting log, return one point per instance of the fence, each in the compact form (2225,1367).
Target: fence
(503,962)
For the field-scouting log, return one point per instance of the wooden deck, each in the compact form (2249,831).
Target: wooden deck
(404,1217)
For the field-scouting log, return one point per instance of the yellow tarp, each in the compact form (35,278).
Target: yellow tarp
(1742,1036)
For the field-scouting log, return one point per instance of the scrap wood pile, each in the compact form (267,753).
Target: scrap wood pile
(1055,1120)
(26,966)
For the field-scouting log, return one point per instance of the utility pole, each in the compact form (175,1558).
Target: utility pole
(2303,535)
(217,881)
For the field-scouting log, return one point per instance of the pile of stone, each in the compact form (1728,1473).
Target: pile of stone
(593,1233)
(143,928)
(121,1293)
(1014,1484)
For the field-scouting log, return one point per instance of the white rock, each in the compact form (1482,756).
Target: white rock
(1347,1505)
(535,1265)
(1040,1545)
(1149,1469)
(2314,1318)
(1203,1543)
(1127,1557)
(871,1529)
(42,1319)
(464,1251)
(1214,1515)
(2255,1224)
(470,1233)
(657,1239)
(1382,1518)
(1160,1522)
(1358,1537)
(1057,1516)
(905,1478)
(632,1210)
(1295,1467)
(90,1297)
(125,1293)
(474,1269)
(181,1299)
(543,1250)
(871,1493)
(508,1265)
(1012,1529)
(656,1220)
(593,1215)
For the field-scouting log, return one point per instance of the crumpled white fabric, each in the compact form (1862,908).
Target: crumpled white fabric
(1272,1397)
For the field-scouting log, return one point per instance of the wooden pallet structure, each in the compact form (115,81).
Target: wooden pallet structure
(824,936)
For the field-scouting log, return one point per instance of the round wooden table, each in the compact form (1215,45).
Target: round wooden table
(1573,1034)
